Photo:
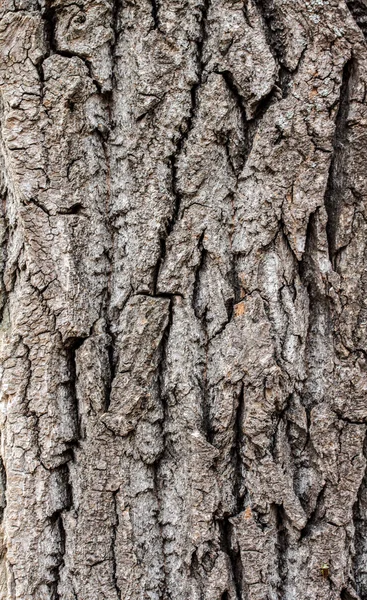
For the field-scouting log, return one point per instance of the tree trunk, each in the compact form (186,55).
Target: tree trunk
(183,334)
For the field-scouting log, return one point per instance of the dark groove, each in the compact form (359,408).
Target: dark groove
(234,556)
(360,535)
(162,364)
(71,347)
(250,126)
(184,134)
(276,38)
(200,314)
(113,545)
(282,546)
(319,308)
(160,261)
(358,9)
(3,484)
(111,349)
(155,13)
(347,595)
(56,521)
(249,129)
(3,249)
(315,516)
(112,360)
(192,114)
(310,276)
(194,565)
(39,205)
(75,209)
(115,24)
(273,28)
(156,465)
(336,181)
(231,85)
(117,6)
(198,271)
(237,448)
(307,265)
(60,526)
(49,17)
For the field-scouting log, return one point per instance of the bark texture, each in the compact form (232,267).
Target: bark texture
(183,338)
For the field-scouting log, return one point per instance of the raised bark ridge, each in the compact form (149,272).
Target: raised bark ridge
(183,336)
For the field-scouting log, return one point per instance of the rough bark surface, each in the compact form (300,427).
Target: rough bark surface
(183,337)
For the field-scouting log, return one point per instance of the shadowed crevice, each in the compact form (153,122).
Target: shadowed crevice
(3,484)
(160,382)
(155,13)
(113,545)
(358,9)
(273,28)
(282,547)
(250,126)
(112,363)
(57,524)
(237,448)
(316,515)
(71,347)
(186,128)
(337,176)
(234,555)
(360,536)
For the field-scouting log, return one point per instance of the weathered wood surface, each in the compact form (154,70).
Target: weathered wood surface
(183,334)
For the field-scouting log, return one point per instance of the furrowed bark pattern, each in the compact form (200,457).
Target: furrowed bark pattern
(183,334)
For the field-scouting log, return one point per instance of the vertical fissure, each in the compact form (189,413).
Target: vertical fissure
(57,524)
(113,544)
(4,240)
(358,10)
(360,535)
(337,176)
(273,28)
(237,449)
(190,119)
(185,129)
(249,126)
(275,35)
(198,270)
(200,314)
(282,546)
(162,365)
(249,129)
(155,13)
(71,347)
(2,488)
(246,124)
(315,515)
(49,17)
(233,552)
(106,311)
(112,360)
(228,542)
(320,326)
(319,309)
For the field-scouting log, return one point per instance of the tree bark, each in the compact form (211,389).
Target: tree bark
(184,270)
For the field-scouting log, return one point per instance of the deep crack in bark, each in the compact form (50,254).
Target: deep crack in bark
(336,182)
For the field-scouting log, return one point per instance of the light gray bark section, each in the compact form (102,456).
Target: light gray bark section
(184,267)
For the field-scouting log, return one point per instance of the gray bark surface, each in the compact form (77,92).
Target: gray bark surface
(183,299)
